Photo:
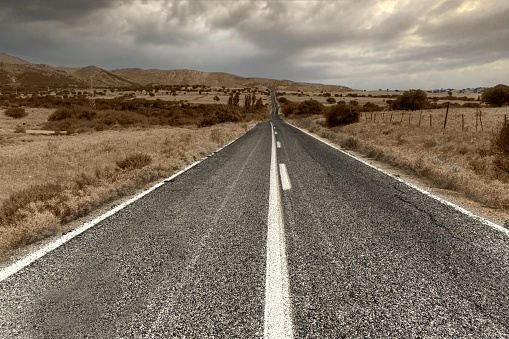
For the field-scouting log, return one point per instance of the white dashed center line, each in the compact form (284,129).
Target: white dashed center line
(278,318)
(285,179)
(278,144)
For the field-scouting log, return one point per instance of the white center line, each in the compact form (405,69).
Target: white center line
(285,179)
(278,318)
(278,144)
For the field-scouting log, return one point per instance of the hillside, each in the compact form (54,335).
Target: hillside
(215,79)
(15,71)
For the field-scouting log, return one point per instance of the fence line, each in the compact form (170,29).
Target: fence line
(460,121)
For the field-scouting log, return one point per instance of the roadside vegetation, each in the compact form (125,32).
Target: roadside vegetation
(100,153)
(464,148)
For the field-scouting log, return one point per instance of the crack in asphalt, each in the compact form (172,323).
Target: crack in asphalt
(432,218)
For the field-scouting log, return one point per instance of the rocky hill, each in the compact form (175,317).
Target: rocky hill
(17,72)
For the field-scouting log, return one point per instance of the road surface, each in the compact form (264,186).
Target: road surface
(276,235)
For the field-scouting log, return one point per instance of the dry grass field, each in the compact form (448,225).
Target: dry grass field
(47,181)
(461,157)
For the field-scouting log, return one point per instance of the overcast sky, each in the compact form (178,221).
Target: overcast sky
(363,44)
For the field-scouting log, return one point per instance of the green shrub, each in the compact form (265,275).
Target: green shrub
(16,112)
(341,114)
(134,161)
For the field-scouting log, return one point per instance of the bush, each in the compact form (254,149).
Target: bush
(411,100)
(16,112)
(11,207)
(496,96)
(349,143)
(331,100)
(134,161)
(309,107)
(341,114)
(75,112)
(289,108)
(501,142)
(371,107)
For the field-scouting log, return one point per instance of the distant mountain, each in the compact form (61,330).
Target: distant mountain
(7,59)
(216,79)
(100,77)
(15,71)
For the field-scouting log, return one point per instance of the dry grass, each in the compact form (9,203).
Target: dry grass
(47,181)
(461,160)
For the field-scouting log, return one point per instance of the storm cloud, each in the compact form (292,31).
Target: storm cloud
(364,44)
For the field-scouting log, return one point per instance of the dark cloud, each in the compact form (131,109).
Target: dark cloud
(378,43)
(51,10)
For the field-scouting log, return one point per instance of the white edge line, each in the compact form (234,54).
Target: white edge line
(423,191)
(32,257)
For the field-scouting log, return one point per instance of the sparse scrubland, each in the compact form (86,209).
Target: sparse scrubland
(108,152)
(470,155)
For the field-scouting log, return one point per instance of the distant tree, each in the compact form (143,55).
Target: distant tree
(331,100)
(411,100)
(247,102)
(216,98)
(230,100)
(236,99)
(259,104)
(496,96)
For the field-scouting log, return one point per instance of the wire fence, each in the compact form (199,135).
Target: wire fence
(462,119)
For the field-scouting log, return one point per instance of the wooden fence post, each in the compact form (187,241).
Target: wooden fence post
(430,121)
(446,113)
(462,122)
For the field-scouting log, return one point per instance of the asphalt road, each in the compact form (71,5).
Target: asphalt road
(364,255)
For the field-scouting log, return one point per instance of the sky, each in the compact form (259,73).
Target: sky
(362,44)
